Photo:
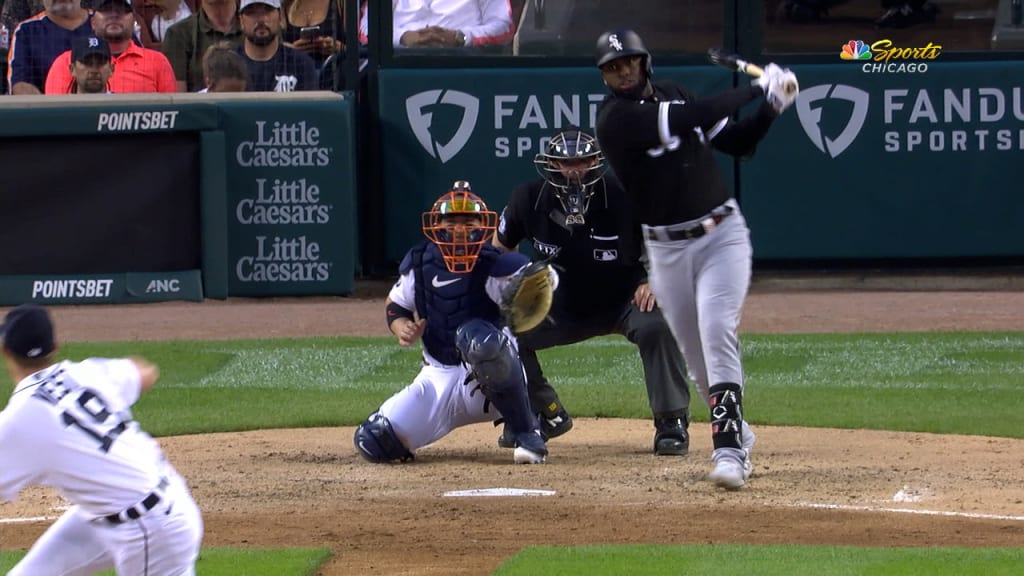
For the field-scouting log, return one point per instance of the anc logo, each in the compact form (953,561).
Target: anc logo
(810,117)
(855,50)
(421,120)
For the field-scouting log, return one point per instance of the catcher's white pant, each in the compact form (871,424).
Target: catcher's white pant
(438,401)
(165,541)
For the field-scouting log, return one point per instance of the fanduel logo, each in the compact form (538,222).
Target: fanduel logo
(810,116)
(420,120)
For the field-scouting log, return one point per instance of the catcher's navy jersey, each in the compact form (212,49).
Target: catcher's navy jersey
(599,260)
(447,299)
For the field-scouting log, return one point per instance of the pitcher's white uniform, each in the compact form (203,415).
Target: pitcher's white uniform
(70,427)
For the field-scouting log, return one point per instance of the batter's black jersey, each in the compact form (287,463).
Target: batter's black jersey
(599,260)
(661,147)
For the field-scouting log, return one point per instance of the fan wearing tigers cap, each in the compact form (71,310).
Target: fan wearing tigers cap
(136,69)
(91,66)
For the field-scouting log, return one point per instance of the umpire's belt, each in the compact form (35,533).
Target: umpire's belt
(705,226)
(136,512)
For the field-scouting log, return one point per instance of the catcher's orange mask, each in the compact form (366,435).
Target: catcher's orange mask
(460,224)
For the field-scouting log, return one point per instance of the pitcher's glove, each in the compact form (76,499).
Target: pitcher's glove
(526,299)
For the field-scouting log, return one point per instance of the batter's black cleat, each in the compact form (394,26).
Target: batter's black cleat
(671,437)
(552,427)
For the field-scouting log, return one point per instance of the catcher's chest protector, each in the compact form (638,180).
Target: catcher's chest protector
(447,299)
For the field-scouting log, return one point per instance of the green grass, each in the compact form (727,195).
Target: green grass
(716,560)
(236,561)
(952,383)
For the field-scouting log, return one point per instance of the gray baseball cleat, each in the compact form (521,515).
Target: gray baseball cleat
(732,468)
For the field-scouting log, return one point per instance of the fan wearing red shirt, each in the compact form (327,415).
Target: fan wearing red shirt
(136,69)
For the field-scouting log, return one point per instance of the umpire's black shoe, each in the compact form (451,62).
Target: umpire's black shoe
(552,427)
(671,437)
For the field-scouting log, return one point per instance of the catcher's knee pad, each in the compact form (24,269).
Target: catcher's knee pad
(490,355)
(376,441)
(726,402)
(498,370)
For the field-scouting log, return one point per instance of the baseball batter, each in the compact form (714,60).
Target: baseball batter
(448,294)
(69,425)
(578,216)
(658,137)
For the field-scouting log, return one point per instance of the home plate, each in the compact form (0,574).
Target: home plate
(488,492)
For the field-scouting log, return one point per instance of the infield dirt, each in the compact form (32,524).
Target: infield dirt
(814,486)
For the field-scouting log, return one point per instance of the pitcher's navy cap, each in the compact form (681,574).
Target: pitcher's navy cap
(28,332)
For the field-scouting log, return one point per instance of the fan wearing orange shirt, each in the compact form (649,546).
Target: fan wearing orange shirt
(136,69)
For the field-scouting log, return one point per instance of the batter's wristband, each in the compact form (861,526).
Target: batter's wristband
(394,312)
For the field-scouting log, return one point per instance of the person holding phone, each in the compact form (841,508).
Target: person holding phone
(315,26)
(273,67)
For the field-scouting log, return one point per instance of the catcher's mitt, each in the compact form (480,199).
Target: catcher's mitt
(526,299)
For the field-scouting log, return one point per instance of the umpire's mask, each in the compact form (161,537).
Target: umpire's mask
(572,163)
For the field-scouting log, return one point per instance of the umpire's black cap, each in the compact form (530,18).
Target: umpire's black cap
(28,332)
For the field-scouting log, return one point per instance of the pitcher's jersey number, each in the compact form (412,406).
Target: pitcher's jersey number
(89,413)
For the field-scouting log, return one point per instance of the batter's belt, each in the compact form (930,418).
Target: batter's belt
(674,232)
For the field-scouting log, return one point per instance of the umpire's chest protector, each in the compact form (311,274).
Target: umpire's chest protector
(447,299)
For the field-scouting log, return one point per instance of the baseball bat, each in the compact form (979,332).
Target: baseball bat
(734,62)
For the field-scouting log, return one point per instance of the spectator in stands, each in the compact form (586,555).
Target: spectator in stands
(169,13)
(136,69)
(449,24)
(317,27)
(91,66)
(186,42)
(37,41)
(223,69)
(14,11)
(273,67)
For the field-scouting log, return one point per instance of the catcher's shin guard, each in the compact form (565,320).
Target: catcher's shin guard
(498,371)
(376,441)
(726,401)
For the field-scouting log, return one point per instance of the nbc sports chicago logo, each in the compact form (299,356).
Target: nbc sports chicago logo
(884,57)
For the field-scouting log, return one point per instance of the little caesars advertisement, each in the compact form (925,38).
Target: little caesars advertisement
(290,198)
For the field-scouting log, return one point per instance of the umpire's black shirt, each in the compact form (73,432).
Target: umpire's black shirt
(599,260)
(662,151)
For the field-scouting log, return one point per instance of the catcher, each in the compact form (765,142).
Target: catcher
(463,298)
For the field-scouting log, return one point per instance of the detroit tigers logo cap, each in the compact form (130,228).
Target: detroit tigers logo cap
(28,332)
(84,47)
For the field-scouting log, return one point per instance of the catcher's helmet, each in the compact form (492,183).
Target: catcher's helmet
(621,42)
(460,224)
(572,163)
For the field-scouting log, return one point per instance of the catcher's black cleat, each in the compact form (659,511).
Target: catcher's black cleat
(671,437)
(552,427)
